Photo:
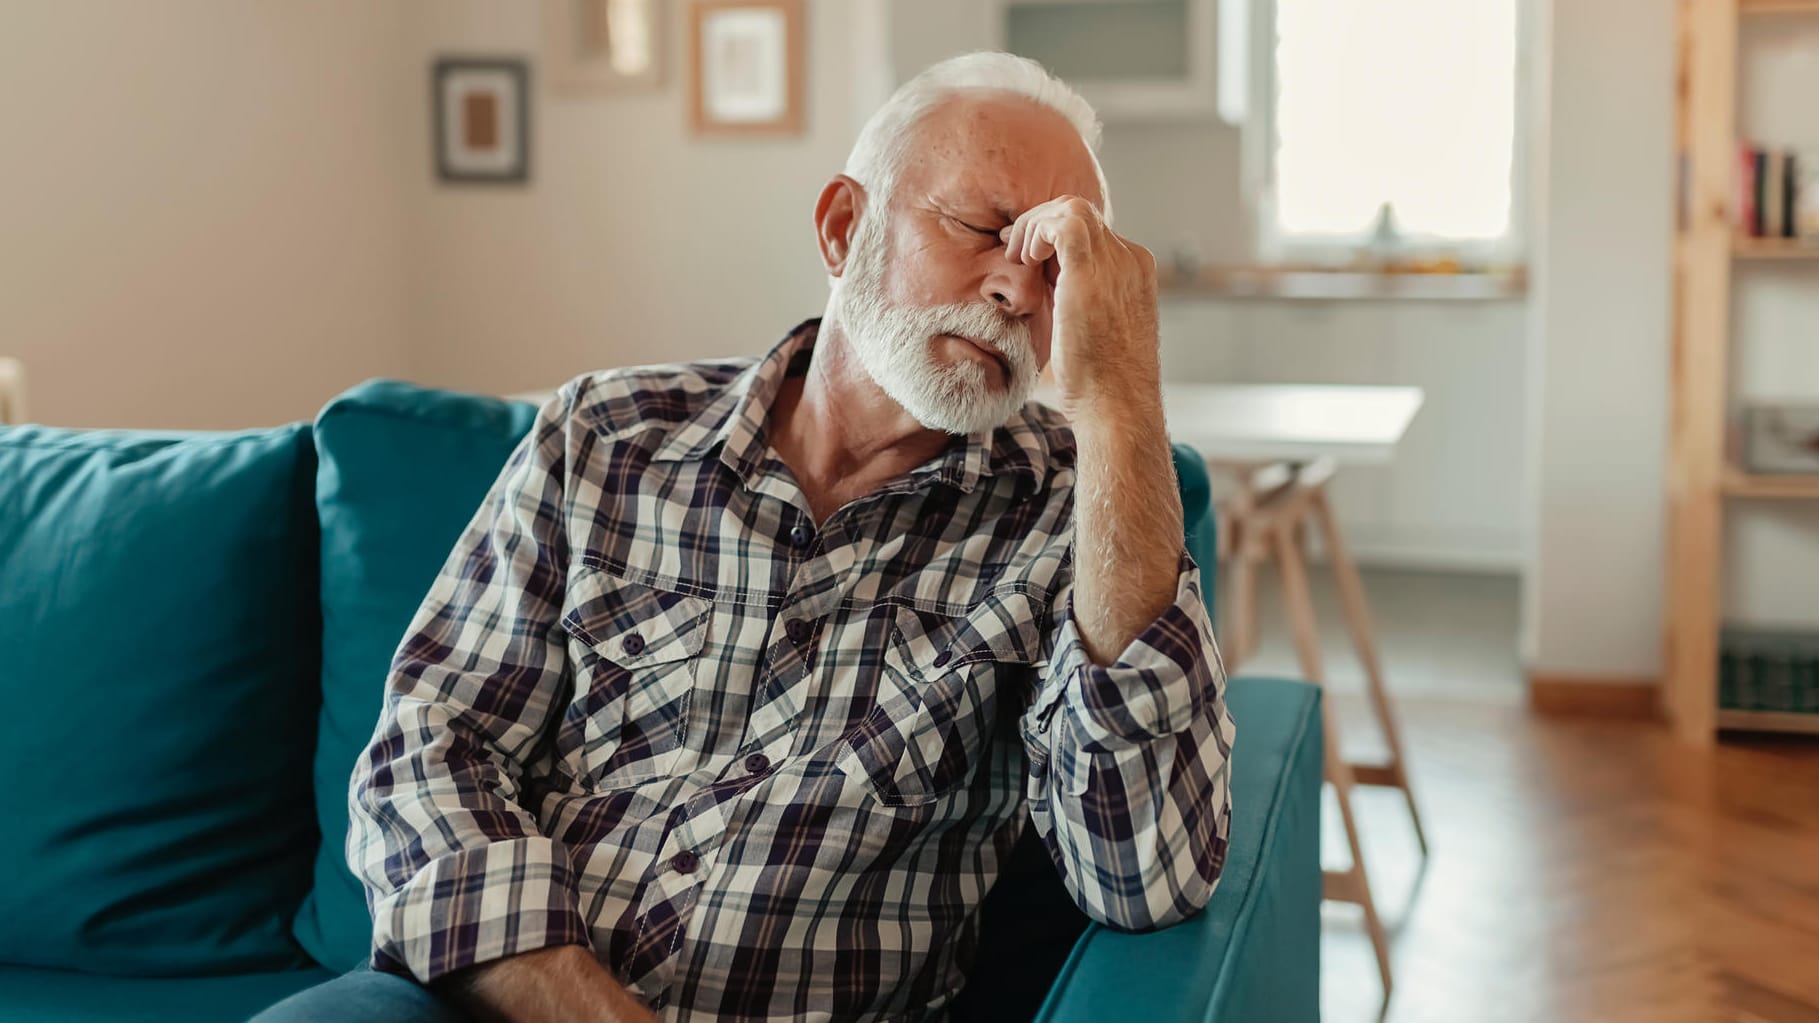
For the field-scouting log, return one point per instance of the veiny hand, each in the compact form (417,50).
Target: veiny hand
(1105,342)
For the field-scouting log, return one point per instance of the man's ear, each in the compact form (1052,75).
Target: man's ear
(837,220)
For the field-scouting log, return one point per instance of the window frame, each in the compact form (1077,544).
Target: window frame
(1258,172)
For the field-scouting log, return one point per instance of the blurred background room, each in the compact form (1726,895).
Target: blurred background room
(1524,293)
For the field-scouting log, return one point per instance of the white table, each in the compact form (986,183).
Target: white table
(1351,424)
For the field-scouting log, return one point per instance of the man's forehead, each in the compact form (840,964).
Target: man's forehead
(1003,152)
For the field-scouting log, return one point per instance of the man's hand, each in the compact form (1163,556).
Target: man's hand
(553,984)
(1104,345)
(1105,349)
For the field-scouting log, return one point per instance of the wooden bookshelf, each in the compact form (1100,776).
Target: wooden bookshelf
(1700,479)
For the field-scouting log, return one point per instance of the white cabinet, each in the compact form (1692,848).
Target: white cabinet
(1132,59)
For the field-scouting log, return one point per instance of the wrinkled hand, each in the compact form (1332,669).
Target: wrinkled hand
(1105,343)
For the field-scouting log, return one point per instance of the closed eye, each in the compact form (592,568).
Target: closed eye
(975,228)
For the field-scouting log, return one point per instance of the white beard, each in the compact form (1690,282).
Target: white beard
(895,344)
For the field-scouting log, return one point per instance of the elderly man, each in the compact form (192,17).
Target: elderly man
(737,691)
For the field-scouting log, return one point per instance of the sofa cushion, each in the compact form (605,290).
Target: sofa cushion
(402,470)
(158,665)
(57,996)
(1198,518)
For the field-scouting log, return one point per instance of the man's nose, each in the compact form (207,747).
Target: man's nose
(1015,288)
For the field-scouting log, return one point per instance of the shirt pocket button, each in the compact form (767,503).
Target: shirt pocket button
(634,644)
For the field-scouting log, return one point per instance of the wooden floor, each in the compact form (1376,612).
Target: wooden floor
(1586,870)
(1583,870)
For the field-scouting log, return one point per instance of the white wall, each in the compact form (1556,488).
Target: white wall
(1599,339)
(200,215)
(1456,495)
(635,241)
(220,214)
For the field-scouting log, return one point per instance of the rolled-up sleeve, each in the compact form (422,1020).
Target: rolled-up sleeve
(1129,765)
(456,870)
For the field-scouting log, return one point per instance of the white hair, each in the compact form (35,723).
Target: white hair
(883,147)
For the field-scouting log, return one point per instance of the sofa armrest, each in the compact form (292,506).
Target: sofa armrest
(1253,954)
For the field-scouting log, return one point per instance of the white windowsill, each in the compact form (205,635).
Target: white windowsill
(1300,284)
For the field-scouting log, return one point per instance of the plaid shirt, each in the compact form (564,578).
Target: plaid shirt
(767,768)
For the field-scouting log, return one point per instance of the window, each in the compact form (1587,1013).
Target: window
(1409,104)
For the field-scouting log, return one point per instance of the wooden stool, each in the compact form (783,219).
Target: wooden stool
(1267,520)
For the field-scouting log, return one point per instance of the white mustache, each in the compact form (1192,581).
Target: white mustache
(977,320)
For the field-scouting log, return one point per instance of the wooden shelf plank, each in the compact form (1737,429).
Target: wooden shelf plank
(1778,6)
(1774,248)
(1738,483)
(1768,721)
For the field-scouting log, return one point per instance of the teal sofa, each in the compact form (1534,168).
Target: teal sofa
(194,633)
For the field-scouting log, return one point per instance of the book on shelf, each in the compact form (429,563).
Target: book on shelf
(1746,192)
(1768,670)
(1772,185)
(1773,213)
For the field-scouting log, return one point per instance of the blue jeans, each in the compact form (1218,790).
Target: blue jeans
(363,996)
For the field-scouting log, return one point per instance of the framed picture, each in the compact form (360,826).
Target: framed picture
(482,115)
(748,67)
(604,46)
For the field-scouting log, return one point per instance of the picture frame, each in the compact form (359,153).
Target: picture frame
(481,112)
(748,67)
(604,47)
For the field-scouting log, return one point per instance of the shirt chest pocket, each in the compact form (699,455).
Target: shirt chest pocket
(635,651)
(943,681)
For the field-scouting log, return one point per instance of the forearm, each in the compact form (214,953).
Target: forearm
(1127,520)
(555,985)
(1129,740)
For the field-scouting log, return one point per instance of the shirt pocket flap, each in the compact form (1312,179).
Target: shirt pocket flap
(1004,627)
(634,625)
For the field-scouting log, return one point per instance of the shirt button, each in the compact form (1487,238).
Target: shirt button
(634,644)
(943,657)
(801,535)
(757,763)
(796,629)
(685,862)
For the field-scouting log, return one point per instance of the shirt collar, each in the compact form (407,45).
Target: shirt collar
(736,422)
